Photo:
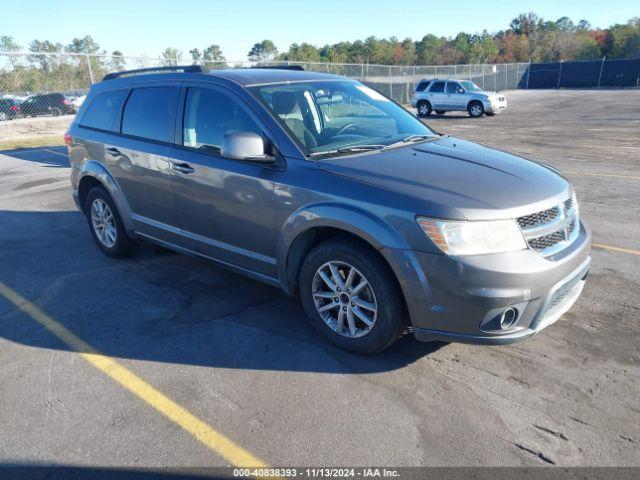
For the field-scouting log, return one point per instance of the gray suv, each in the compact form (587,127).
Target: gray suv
(325,188)
(441,96)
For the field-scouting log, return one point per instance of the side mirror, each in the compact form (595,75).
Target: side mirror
(245,146)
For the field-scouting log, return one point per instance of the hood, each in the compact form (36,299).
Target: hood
(457,179)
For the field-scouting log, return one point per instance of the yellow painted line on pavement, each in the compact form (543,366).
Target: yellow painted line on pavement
(633,177)
(204,433)
(616,249)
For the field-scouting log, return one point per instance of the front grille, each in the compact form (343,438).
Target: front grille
(550,231)
(540,218)
(547,241)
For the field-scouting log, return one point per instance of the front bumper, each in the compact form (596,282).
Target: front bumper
(495,106)
(451,298)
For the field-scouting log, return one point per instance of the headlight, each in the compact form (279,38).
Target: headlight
(473,238)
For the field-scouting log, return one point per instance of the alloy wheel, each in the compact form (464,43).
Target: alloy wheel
(103,223)
(344,299)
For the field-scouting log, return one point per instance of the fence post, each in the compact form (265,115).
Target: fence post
(482,65)
(390,82)
(362,73)
(90,71)
(528,75)
(601,68)
(559,74)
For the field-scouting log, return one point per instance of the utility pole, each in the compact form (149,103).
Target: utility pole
(601,68)
(90,71)
(559,74)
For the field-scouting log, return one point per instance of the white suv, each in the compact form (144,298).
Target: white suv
(441,96)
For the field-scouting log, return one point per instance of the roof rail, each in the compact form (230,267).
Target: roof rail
(281,67)
(126,73)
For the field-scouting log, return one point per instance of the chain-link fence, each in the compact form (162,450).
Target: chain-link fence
(35,84)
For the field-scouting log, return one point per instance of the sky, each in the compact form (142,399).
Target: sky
(137,27)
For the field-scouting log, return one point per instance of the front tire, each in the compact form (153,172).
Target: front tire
(106,225)
(475,109)
(351,297)
(441,112)
(424,108)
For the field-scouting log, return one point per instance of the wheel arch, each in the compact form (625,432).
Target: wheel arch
(311,225)
(92,174)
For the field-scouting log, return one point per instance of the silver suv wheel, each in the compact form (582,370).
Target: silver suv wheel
(475,109)
(344,299)
(103,223)
(423,109)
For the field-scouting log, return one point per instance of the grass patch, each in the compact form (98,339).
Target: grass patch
(32,142)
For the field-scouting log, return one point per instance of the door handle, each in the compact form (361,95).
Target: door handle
(182,167)
(113,151)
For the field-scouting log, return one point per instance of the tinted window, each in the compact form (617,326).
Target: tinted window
(104,110)
(422,86)
(209,115)
(150,113)
(437,87)
(454,87)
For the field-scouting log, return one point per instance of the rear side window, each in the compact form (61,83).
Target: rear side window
(422,86)
(150,113)
(437,87)
(104,110)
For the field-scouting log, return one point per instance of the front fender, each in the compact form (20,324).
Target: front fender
(96,170)
(349,218)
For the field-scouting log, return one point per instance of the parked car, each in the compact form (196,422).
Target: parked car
(9,109)
(327,189)
(47,104)
(77,101)
(441,96)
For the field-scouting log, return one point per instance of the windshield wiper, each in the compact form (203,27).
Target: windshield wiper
(351,149)
(413,139)
(360,148)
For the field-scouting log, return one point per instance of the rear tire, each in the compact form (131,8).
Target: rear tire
(424,108)
(475,109)
(379,301)
(106,225)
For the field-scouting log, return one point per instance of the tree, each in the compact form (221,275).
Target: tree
(428,49)
(196,56)
(170,57)
(46,62)
(525,23)
(117,61)
(304,52)
(264,50)
(86,45)
(213,53)
(7,44)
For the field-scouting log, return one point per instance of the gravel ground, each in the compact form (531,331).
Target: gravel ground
(241,356)
(27,128)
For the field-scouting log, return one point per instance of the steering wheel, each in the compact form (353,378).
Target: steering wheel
(345,128)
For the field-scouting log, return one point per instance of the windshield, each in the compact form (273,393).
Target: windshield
(340,117)
(470,86)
